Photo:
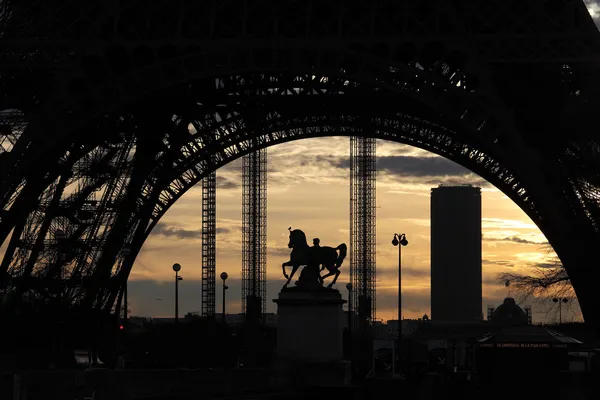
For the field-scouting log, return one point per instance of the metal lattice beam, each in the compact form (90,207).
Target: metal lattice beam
(363,181)
(209,243)
(254,234)
(495,85)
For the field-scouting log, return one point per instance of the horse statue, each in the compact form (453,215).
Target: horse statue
(311,258)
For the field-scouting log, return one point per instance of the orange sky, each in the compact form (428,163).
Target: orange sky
(308,189)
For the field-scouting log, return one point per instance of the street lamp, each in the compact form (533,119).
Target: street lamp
(560,301)
(224,277)
(177,268)
(399,239)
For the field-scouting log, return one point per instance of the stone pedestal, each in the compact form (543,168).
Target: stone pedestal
(310,327)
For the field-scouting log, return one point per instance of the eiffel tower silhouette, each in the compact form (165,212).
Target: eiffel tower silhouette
(114,109)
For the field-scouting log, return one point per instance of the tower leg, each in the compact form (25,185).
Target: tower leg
(209,240)
(254,248)
(362,246)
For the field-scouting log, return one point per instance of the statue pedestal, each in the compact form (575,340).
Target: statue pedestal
(310,327)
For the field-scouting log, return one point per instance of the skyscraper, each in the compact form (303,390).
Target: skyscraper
(456,253)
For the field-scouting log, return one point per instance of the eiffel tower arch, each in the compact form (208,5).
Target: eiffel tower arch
(117,108)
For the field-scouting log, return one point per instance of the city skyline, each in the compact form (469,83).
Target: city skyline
(308,189)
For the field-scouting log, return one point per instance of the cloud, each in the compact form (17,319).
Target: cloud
(225,183)
(404,165)
(329,163)
(507,224)
(420,166)
(180,233)
(556,264)
(513,239)
(503,263)
(593,7)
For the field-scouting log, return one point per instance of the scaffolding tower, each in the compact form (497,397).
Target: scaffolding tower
(209,244)
(363,175)
(254,235)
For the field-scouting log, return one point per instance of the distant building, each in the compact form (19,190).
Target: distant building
(510,314)
(456,253)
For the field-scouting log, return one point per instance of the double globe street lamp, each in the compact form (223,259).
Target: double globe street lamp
(399,241)
(224,277)
(560,301)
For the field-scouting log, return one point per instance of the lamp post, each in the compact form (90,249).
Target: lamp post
(400,241)
(177,268)
(224,277)
(560,301)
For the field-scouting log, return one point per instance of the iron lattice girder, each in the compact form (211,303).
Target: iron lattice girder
(79,215)
(363,190)
(398,128)
(209,243)
(400,62)
(469,107)
(377,29)
(254,234)
(164,22)
(438,85)
(422,27)
(279,125)
(417,132)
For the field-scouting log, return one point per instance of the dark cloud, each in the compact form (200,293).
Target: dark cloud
(493,281)
(424,168)
(179,233)
(556,264)
(224,183)
(503,263)
(465,180)
(172,231)
(419,166)
(513,239)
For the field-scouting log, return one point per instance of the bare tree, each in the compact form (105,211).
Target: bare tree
(547,281)
(543,282)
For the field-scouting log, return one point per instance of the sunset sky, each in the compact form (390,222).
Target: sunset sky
(308,189)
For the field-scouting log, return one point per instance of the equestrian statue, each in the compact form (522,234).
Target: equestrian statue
(314,260)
